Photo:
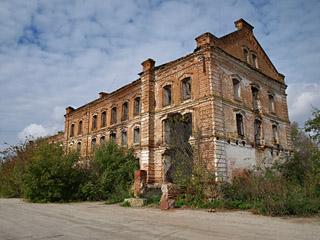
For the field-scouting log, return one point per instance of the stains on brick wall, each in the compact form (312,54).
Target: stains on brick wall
(220,88)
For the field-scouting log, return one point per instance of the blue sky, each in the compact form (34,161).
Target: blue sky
(59,53)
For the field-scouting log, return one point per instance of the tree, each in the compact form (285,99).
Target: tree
(312,126)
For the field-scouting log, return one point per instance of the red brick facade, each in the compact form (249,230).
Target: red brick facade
(238,128)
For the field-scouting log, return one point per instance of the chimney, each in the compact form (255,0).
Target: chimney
(69,109)
(242,24)
(205,39)
(148,64)
(102,94)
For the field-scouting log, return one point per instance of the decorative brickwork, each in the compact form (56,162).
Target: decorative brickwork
(213,71)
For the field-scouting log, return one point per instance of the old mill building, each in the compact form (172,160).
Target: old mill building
(227,88)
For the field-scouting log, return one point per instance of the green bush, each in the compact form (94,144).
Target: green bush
(13,161)
(111,174)
(51,175)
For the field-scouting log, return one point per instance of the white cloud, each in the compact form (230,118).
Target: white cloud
(59,53)
(32,131)
(302,98)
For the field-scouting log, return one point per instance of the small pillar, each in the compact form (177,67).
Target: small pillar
(140,182)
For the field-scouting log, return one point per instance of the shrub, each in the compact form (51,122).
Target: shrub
(111,174)
(52,176)
(12,166)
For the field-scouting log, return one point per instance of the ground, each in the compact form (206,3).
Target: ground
(95,220)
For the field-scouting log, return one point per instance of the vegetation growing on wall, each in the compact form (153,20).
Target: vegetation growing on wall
(289,187)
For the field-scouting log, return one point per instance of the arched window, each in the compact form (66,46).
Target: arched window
(125,111)
(72,130)
(239,120)
(93,143)
(136,135)
(236,88)
(255,60)
(186,88)
(113,136)
(167,96)
(79,146)
(80,127)
(113,115)
(246,55)
(255,98)
(275,134)
(102,139)
(137,106)
(94,122)
(257,132)
(103,119)
(271,103)
(124,138)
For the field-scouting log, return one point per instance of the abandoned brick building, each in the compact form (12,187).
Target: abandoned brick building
(227,87)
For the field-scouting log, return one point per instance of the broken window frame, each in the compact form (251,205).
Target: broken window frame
(186,88)
(104,119)
(113,136)
(72,130)
(255,60)
(240,124)
(93,143)
(246,55)
(166,132)
(257,132)
(94,122)
(124,138)
(167,95)
(137,106)
(136,135)
(113,119)
(272,108)
(275,133)
(255,97)
(236,88)
(79,146)
(102,139)
(80,127)
(125,111)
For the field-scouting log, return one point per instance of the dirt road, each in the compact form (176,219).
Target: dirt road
(21,220)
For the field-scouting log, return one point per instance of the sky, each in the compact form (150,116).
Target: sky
(59,53)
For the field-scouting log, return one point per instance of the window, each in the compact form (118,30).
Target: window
(137,106)
(113,115)
(257,132)
(103,119)
(166,131)
(72,130)
(236,88)
(271,104)
(80,128)
(124,111)
(124,138)
(186,88)
(94,122)
(136,135)
(275,134)
(255,60)
(239,120)
(79,146)
(167,95)
(113,136)
(255,98)
(102,139)
(246,55)
(93,143)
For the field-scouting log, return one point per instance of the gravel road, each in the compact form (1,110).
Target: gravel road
(95,220)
